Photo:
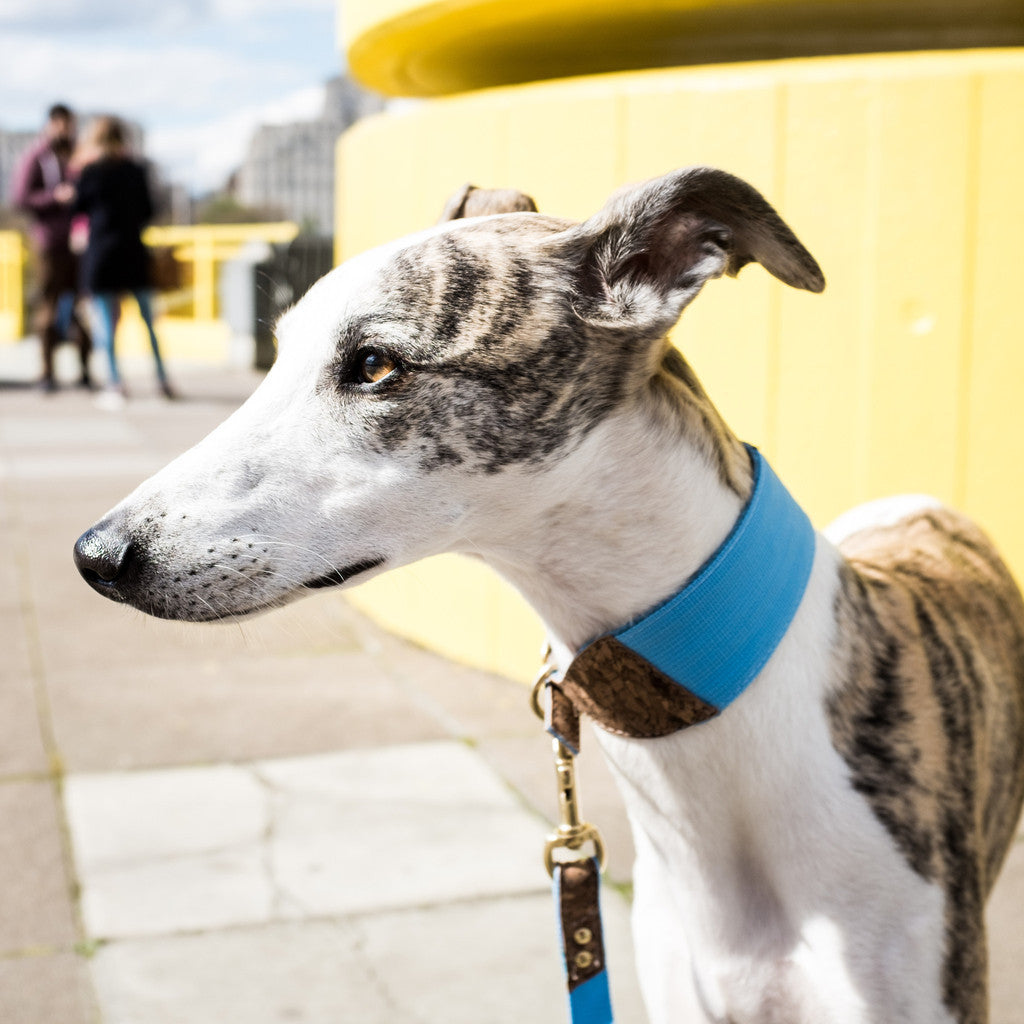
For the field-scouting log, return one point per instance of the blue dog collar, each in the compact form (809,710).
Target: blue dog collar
(717,633)
(693,655)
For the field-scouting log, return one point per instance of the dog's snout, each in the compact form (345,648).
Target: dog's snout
(103,556)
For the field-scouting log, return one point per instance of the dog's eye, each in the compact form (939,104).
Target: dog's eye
(372,366)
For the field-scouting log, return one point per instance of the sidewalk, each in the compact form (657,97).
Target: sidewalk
(296,819)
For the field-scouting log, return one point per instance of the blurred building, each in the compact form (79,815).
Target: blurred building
(289,168)
(12,145)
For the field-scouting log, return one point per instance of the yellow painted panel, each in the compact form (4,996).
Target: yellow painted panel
(387,190)
(10,326)
(180,338)
(564,146)
(993,478)
(12,295)
(376,186)
(919,225)
(822,410)
(725,121)
(461,609)
(446,155)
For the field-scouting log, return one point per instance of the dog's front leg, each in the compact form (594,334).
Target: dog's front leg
(663,961)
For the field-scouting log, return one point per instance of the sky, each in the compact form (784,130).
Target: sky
(198,75)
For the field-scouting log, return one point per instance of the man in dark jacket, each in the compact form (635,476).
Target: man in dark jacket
(43,189)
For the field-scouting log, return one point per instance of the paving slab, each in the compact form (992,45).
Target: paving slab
(210,709)
(397,827)
(278,974)
(35,888)
(180,850)
(21,744)
(490,962)
(169,850)
(47,988)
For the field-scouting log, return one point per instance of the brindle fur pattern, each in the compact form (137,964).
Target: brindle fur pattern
(485,334)
(929,714)
(504,359)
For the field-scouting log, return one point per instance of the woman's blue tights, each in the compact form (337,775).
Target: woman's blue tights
(108,312)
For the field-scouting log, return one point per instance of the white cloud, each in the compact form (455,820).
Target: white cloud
(203,157)
(56,17)
(170,82)
(248,8)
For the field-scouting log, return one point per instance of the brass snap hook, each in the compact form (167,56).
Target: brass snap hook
(572,832)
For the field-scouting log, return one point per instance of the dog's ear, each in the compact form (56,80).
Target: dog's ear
(470,201)
(674,233)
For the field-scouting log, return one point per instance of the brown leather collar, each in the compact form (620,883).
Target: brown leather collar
(623,693)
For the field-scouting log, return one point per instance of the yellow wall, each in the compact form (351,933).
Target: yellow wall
(902,175)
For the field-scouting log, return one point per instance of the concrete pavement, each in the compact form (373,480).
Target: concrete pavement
(301,818)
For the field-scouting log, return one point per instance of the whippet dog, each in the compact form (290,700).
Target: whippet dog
(819,850)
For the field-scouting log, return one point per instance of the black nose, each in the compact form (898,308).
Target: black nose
(103,556)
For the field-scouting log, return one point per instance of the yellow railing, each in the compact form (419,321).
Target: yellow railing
(189,323)
(12,289)
(202,247)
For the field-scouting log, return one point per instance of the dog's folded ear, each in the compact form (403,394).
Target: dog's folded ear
(470,201)
(676,232)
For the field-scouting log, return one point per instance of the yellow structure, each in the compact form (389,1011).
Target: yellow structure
(189,324)
(900,171)
(188,321)
(12,295)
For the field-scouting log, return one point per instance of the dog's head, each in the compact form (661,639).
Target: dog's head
(425,388)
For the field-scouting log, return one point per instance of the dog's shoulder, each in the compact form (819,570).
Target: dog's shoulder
(920,576)
(924,544)
(928,707)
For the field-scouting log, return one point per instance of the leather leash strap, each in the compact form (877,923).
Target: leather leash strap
(576,886)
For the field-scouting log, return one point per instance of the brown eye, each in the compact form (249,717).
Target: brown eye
(372,367)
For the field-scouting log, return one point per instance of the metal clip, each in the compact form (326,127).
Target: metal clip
(571,833)
(547,673)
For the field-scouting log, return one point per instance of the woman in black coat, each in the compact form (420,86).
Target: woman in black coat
(113,192)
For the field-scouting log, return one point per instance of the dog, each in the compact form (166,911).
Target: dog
(821,849)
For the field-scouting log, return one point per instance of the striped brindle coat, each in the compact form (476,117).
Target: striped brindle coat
(819,853)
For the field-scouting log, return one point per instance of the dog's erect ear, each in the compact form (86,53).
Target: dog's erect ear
(676,232)
(470,201)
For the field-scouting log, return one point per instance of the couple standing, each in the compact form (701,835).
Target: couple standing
(112,193)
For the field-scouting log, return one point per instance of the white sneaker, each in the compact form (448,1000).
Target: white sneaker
(109,400)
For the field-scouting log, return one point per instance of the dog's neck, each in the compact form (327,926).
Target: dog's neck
(629,517)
